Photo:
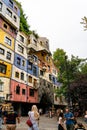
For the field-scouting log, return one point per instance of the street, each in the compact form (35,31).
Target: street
(45,123)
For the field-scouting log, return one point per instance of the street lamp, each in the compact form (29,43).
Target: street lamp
(68,81)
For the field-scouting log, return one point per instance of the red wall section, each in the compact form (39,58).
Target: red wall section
(20,97)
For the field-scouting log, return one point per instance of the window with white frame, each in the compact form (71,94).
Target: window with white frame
(1,86)
(0,6)
(34,71)
(15,8)
(15,18)
(22,76)
(2,51)
(17,74)
(9,12)
(20,49)
(21,38)
(8,55)
(23,62)
(8,41)
(18,61)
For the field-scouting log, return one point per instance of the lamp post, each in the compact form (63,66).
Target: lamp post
(68,82)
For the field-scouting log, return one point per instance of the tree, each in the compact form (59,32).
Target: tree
(84,21)
(68,69)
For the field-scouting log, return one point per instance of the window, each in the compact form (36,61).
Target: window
(32,92)
(0,6)
(34,71)
(20,49)
(9,12)
(15,19)
(22,76)
(17,74)
(35,58)
(5,26)
(48,68)
(41,73)
(8,41)
(21,38)
(1,86)
(23,91)
(8,55)
(30,66)
(11,3)
(18,61)
(3,68)
(50,77)
(11,29)
(30,79)
(18,89)
(15,8)
(23,62)
(54,79)
(2,51)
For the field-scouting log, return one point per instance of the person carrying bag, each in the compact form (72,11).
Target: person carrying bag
(34,118)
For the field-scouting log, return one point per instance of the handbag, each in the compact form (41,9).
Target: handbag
(29,123)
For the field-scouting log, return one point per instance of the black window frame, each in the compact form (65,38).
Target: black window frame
(8,56)
(3,68)
(31,92)
(18,89)
(2,51)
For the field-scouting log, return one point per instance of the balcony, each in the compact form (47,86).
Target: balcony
(32,47)
(35,86)
(44,68)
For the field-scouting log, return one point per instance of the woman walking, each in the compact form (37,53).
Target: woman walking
(34,117)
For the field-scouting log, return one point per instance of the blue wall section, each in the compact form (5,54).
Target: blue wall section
(20,66)
(31,71)
(12,7)
(34,69)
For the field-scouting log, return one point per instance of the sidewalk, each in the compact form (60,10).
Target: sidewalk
(45,123)
(80,119)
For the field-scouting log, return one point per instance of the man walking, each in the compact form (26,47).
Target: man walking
(69,119)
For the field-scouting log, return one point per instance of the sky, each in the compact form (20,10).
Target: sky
(59,21)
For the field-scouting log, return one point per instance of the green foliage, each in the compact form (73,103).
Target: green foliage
(83,68)
(84,22)
(68,70)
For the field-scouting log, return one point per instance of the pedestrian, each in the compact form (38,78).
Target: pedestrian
(58,113)
(69,117)
(40,111)
(61,121)
(1,118)
(34,117)
(10,118)
(79,126)
(85,116)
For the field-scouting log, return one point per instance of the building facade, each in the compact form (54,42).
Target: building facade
(27,73)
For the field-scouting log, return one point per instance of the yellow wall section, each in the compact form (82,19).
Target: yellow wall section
(2,39)
(8,71)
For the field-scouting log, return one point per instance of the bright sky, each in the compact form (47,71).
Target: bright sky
(59,21)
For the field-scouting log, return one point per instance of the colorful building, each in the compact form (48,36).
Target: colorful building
(27,73)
